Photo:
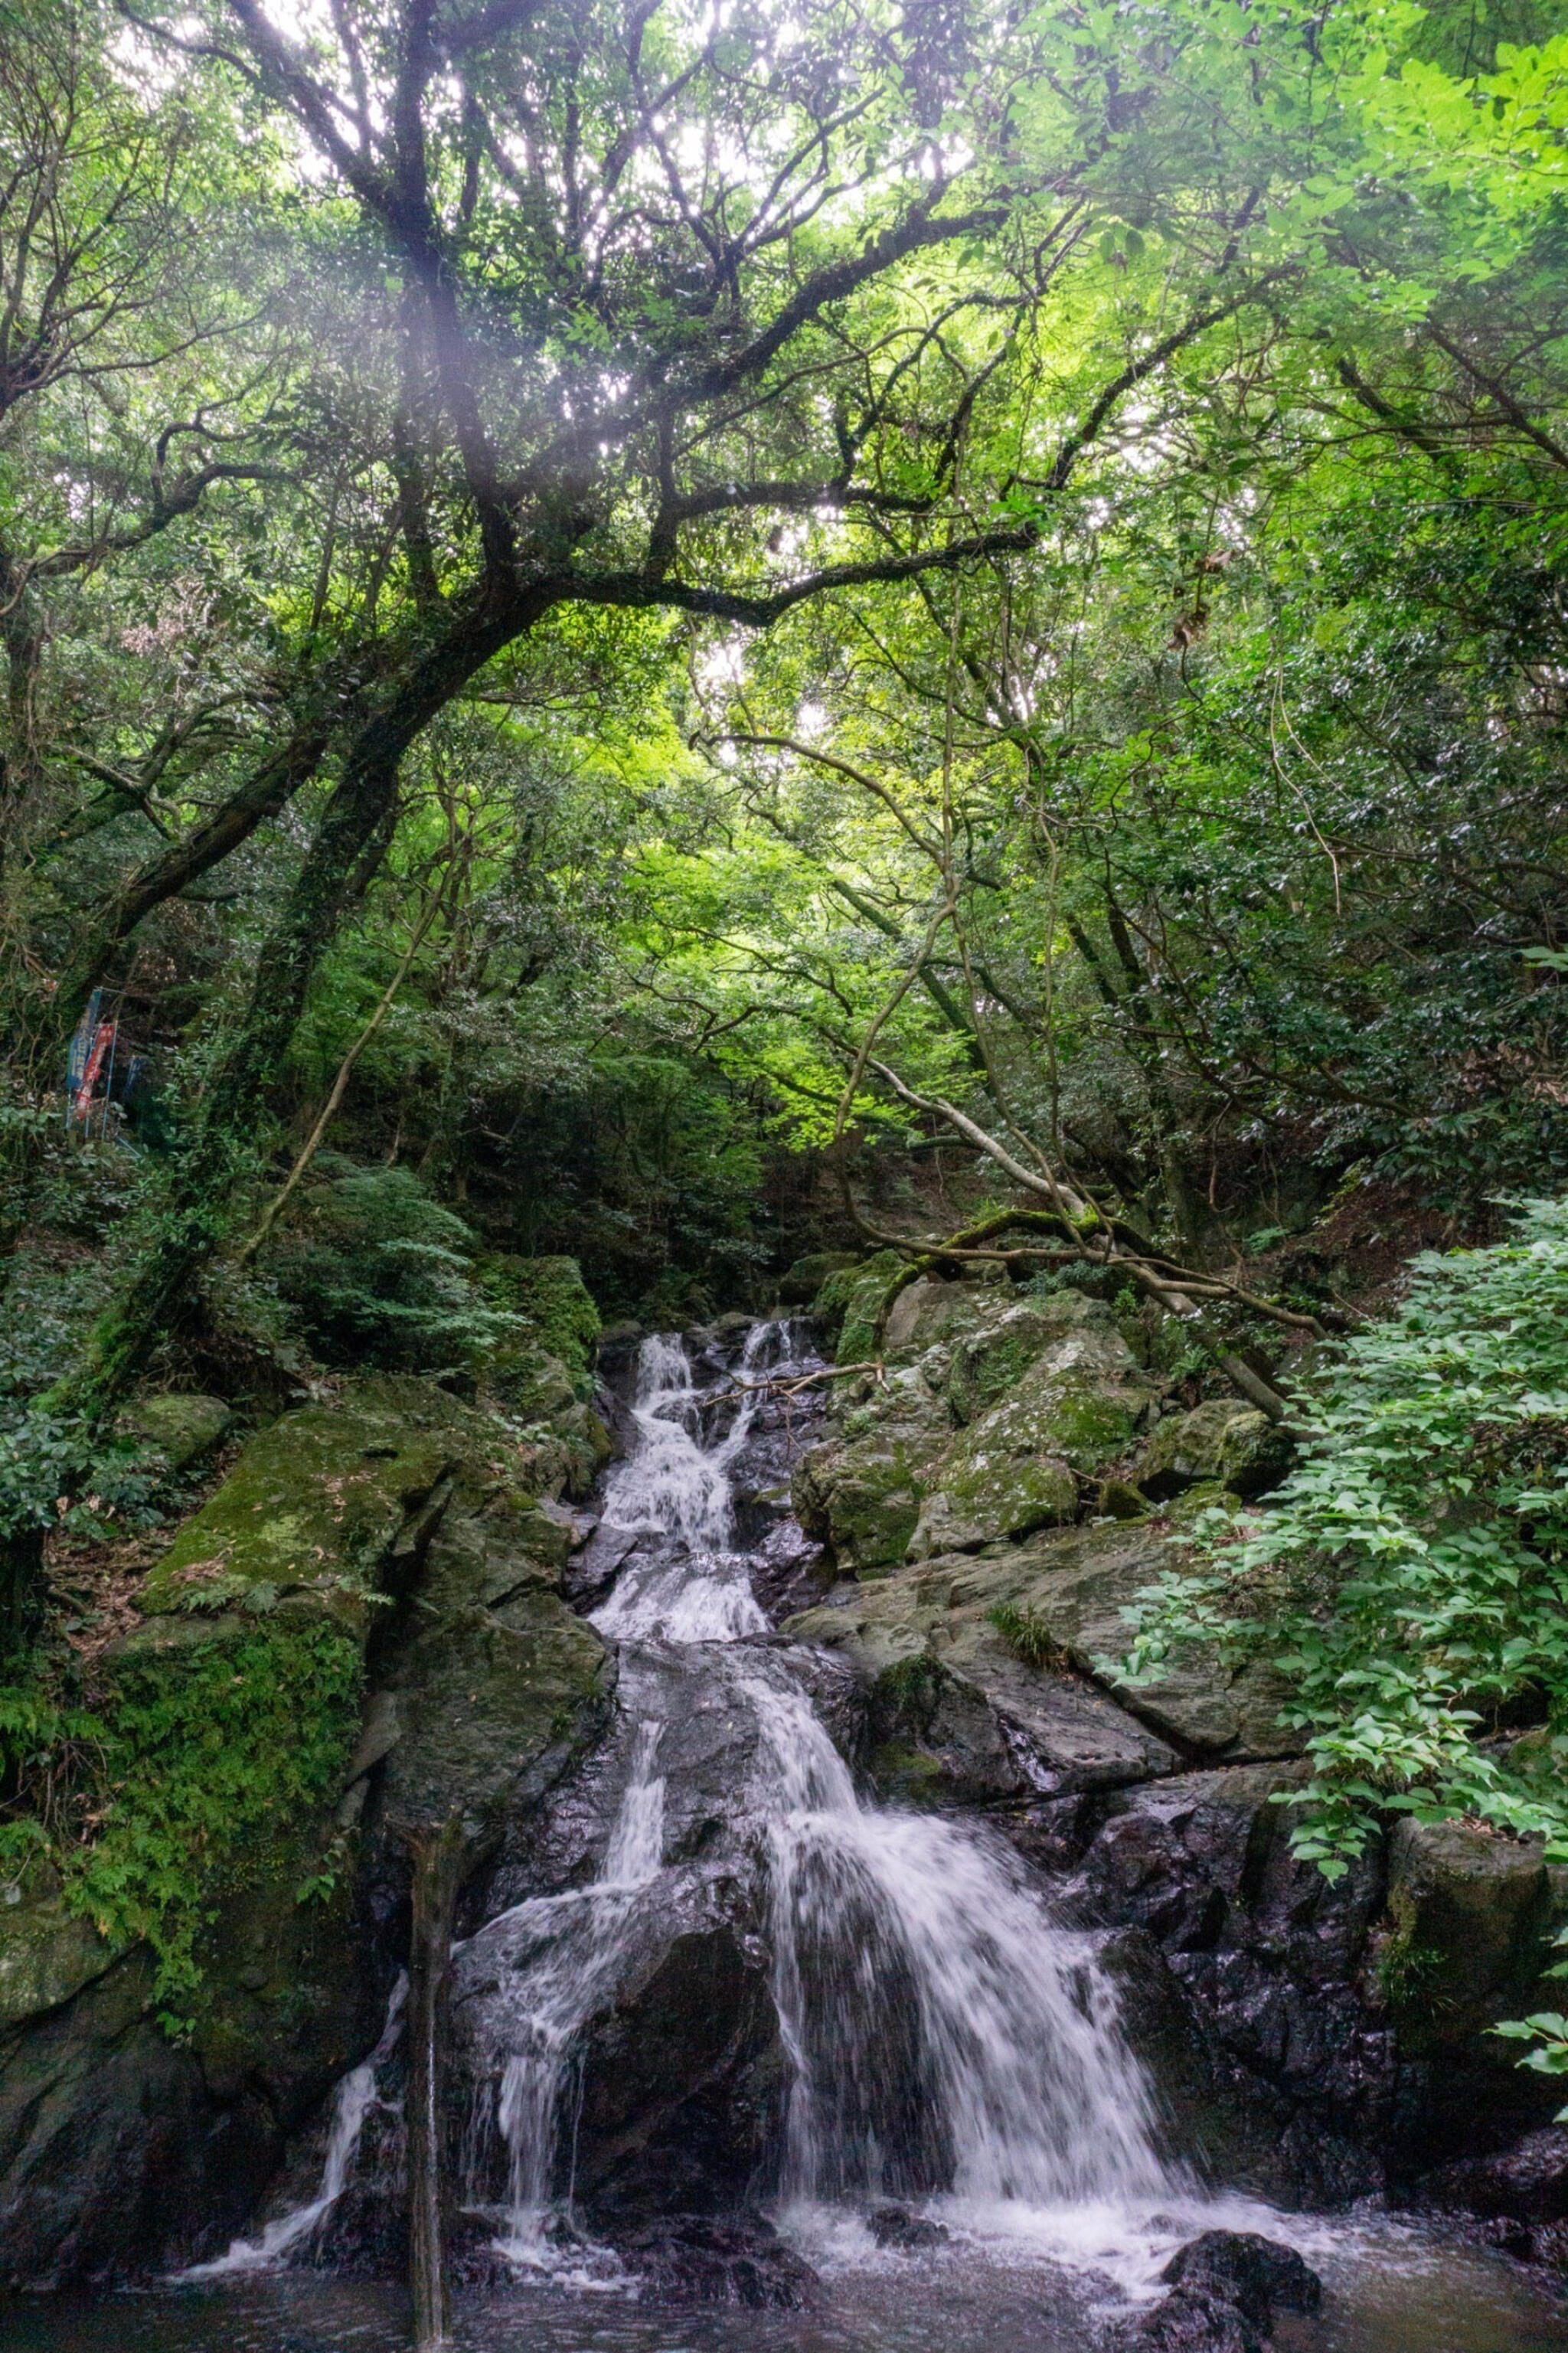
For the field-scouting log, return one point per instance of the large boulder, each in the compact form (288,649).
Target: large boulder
(1467,1936)
(1269,1954)
(391,1520)
(1225,2290)
(1222,1439)
(1070,1587)
(851,1302)
(319,1512)
(183,1428)
(862,1491)
(803,1279)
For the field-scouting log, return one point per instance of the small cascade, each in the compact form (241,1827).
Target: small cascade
(578,1935)
(938,2023)
(685,1583)
(945,2036)
(353,2102)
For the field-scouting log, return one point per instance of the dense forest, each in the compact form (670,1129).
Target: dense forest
(655,649)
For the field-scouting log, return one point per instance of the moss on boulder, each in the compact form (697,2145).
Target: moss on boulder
(853,1299)
(862,1492)
(183,1428)
(557,1310)
(310,1516)
(1222,1439)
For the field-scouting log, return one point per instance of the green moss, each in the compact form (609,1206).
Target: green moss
(310,1510)
(856,1294)
(556,1304)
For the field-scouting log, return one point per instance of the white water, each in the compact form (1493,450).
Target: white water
(353,2102)
(579,1934)
(686,1585)
(945,2036)
(1032,2093)
(947,2039)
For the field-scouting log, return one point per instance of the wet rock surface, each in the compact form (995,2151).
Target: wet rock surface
(696,2259)
(1226,2288)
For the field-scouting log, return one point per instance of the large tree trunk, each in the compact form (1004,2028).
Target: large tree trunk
(196,1215)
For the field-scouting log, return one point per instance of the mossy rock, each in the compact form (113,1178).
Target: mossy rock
(309,1517)
(183,1428)
(930,1312)
(854,1299)
(554,1302)
(1471,1912)
(1221,1440)
(1074,1584)
(802,1280)
(47,1953)
(531,1383)
(986,1493)
(861,1493)
(989,1364)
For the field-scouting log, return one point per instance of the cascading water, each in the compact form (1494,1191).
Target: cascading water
(944,2034)
(1029,2093)
(575,1935)
(356,2097)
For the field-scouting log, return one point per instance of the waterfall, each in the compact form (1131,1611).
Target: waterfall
(687,1585)
(944,2034)
(1015,2058)
(578,1935)
(352,2102)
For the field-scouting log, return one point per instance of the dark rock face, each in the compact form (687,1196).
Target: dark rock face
(121,2151)
(895,2226)
(1527,2183)
(683,2082)
(1226,2288)
(697,2259)
(1269,1958)
(1257,2275)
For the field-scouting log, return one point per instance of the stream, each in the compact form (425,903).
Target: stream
(943,2047)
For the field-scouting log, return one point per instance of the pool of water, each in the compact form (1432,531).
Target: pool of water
(1391,2288)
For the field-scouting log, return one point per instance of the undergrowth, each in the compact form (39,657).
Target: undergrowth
(188,1780)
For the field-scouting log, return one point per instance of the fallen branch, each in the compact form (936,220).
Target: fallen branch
(778,1385)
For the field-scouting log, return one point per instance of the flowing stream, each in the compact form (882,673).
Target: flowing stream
(949,2044)
(944,2034)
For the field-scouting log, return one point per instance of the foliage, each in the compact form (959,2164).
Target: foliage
(198,1773)
(378,1275)
(1028,1636)
(551,1302)
(1546,2033)
(1410,1577)
(211,1760)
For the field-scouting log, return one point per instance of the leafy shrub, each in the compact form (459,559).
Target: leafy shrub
(379,1276)
(1411,1578)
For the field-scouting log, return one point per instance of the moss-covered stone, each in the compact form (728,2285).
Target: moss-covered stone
(989,1364)
(556,1304)
(47,1953)
(1074,1584)
(854,1299)
(311,1513)
(802,1280)
(1220,1440)
(861,1493)
(183,1428)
